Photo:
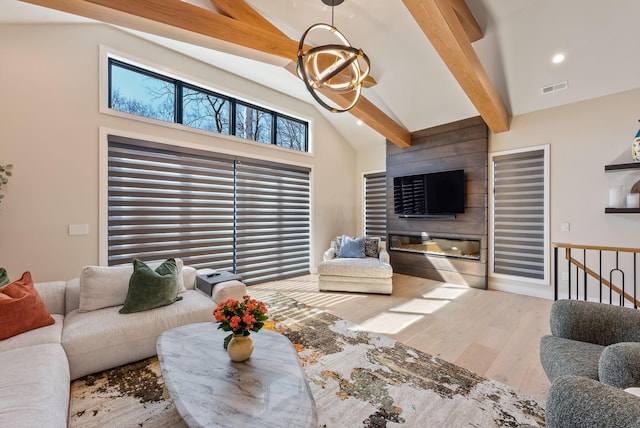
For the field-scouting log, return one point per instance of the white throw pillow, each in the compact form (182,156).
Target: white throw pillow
(105,286)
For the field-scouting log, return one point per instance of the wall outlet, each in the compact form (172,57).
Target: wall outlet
(565,276)
(78,229)
(565,227)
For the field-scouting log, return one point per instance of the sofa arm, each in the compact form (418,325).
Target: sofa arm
(578,402)
(384,256)
(52,294)
(619,365)
(593,322)
(189,274)
(329,254)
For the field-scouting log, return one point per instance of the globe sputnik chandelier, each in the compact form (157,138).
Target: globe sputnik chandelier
(333,68)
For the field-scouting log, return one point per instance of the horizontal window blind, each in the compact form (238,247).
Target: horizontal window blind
(272,221)
(165,203)
(518,219)
(244,216)
(375,205)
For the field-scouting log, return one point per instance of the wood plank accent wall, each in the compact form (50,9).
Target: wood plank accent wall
(457,145)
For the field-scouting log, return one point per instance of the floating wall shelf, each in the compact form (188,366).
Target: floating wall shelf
(622,166)
(622,210)
(616,168)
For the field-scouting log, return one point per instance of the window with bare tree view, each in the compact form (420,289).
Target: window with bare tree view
(146,93)
(253,123)
(205,110)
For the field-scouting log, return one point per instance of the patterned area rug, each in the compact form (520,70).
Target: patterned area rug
(358,379)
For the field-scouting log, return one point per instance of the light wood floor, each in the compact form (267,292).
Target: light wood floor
(492,333)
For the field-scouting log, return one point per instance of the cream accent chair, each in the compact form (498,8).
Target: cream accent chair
(361,275)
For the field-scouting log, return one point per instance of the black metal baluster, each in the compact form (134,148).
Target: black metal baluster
(600,273)
(623,281)
(635,281)
(577,283)
(584,255)
(569,272)
(616,269)
(555,273)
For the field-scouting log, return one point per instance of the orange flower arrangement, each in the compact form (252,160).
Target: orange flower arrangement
(240,316)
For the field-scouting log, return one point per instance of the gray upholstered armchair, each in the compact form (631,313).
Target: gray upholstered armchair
(592,355)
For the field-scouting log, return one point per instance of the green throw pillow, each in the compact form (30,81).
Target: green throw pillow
(150,289)
(4,278)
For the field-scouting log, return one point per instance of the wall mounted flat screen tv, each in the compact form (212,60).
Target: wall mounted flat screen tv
(436,193)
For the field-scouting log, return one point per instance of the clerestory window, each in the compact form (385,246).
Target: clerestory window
(142,92)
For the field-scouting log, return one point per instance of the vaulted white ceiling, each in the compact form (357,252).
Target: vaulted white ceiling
(414,86)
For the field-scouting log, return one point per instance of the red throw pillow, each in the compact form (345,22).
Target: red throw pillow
(21,308)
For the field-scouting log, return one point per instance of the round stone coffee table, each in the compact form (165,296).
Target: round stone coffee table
(210,390)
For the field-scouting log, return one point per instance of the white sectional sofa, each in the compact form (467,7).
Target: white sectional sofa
(36,367)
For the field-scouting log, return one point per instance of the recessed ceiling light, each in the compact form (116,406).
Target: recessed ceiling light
(359,122)
(558,58)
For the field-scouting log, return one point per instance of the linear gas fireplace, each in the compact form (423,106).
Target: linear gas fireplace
(451,249)
(436,246)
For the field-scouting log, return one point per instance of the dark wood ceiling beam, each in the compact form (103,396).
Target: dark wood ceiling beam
(441,22)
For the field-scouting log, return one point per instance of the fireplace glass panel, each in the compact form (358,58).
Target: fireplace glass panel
(447,247)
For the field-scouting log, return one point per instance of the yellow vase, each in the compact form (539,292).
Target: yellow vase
(240,348)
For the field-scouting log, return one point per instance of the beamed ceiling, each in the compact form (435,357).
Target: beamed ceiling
(433,61)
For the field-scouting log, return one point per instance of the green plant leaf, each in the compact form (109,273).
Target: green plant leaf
(227,340)
(257,326)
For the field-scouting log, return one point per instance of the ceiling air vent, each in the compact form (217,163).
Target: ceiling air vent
(555,87)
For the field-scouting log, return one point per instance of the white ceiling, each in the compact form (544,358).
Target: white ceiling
(599,39)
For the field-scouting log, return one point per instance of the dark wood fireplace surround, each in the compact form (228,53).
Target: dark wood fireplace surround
(458,145)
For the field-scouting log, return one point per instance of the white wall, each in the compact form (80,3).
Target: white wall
(50,128)
(583,138)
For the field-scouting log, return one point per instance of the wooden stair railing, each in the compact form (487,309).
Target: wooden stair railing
(618,268)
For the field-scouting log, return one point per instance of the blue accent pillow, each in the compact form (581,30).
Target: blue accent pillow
(352,248)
